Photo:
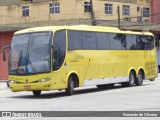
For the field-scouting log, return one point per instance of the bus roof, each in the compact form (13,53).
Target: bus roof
(82,28)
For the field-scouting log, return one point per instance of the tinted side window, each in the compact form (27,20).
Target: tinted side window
(103,42)
(123,41)
(139,42)
(59,49)
(131,42)
(75,40)
(89,40)
(148,42)
(118,41)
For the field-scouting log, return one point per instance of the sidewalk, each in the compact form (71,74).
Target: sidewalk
(3,84)
(3,80)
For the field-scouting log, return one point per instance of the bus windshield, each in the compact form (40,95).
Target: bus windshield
(30,53)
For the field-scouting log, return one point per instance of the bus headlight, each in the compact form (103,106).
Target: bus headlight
(13,81)
(44,79)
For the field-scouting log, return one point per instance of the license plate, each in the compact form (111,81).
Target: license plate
(27,87)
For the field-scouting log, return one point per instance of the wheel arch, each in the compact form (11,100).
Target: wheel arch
(75,78)
(141,69)
(133,70)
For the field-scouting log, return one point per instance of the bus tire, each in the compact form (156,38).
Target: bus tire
(132,79)
(139,80)
(36,93)
(70,89)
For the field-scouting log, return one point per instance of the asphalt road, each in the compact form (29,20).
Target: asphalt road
(142,98)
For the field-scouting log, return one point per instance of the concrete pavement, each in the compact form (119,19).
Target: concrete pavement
(143,98)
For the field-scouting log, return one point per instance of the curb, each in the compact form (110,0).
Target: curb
(3,81)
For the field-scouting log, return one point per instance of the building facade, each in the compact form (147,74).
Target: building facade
(155,11)
(25,11)
(5,39)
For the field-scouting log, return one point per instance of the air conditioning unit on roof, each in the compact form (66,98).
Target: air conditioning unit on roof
(139,19)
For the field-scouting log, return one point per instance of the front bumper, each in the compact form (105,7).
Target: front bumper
(43,86)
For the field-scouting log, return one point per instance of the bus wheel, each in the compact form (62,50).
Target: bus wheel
(132,79)
(36,93)
(70,89)
(139,79)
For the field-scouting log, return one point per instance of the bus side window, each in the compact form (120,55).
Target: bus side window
(139,43)
(75,41)
(133,42)
(59,49)
(103,42)
(56,55)
(89,40)
(116,42)
(148,42)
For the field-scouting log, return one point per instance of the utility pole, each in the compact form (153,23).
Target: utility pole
(141,14)
(92,14)
(142,19)
(118,12)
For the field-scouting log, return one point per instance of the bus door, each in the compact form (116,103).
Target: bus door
(58,58)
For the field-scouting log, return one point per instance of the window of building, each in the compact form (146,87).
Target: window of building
(108,9)
(25,11)
(145,12)
(54,8)
(87,7)
(138,9)
(126,10)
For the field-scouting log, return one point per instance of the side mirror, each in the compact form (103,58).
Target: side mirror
(4,54)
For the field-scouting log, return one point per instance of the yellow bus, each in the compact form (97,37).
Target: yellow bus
(67,57)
